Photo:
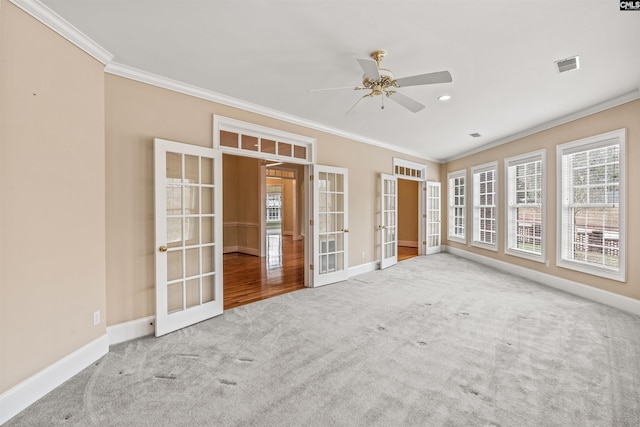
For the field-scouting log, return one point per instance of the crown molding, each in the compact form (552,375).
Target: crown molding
(61,26)
(597,108)
(142,76)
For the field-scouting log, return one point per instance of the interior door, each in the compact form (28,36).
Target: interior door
(389,220)
(188,197)
(434,220)
(330,224)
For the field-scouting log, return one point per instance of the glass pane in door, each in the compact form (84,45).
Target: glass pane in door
(190,224)
(331,222)
(187,233)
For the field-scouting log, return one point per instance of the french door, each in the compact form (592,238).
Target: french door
(330,225)
(188,235)
(388,220)
(433,228)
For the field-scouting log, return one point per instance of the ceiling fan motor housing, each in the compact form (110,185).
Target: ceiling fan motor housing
(379,86)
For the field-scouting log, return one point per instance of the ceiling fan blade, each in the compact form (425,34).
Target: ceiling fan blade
(425,79)
(333,88)
(406,102)
(370,68)
(354,105)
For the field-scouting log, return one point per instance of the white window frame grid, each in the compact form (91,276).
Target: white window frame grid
(476,230)
(453,204)
(512,205)
(274,206)
(594,142)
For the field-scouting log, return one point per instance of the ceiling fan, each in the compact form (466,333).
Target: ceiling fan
(380,81)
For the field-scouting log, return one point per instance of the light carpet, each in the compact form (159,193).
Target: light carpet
(433,341)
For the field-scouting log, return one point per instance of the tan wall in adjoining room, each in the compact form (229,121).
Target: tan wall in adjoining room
(408,211)
(229,201)
(624,116)
(135,114)
(241,204)
(52,188)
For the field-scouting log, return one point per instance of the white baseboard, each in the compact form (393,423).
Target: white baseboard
(363,268)
(131,330)
(241,249)
(19,397)
(407,243)
(621,302)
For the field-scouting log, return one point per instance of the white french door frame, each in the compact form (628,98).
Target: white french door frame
(328,225)
(388,220)
(194,271)
(433,224)
(422,218)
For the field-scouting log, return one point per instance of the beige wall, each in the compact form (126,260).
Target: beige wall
(241,208)
(135,114)
(408,211)
(625,116)
(52,234)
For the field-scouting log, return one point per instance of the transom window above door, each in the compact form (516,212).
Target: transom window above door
(248,139)
(406,169)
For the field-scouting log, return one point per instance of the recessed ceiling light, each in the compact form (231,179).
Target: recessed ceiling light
(475,135)
(444,97)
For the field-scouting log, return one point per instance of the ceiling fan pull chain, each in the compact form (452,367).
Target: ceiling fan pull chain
(382,98)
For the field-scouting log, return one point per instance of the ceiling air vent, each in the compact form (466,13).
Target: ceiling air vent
(568,64)
(475,135)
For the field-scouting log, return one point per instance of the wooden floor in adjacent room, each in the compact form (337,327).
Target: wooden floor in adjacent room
(406,252)
(249,278)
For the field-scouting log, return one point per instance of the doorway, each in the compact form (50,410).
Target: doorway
(263,244)
(408,218)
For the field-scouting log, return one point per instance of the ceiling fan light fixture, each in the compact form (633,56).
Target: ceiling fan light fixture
(444,97)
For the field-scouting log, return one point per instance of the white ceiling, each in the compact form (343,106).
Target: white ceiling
(270,53)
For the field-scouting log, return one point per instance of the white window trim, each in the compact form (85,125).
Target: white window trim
(451,176)
(514,161)
(474,225)
(602,140)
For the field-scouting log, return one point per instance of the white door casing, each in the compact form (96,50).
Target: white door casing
(388,220)
(330,225)
(188,235)
(434,221)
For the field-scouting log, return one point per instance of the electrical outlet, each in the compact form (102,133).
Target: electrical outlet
(362,254)
(547,263)
(96,317)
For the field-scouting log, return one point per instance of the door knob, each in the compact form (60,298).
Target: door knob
(346,230)
(162,248)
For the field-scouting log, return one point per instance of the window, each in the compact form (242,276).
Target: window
(457,208)
(591,202)
(485,213)
(274,204)
(525,205)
